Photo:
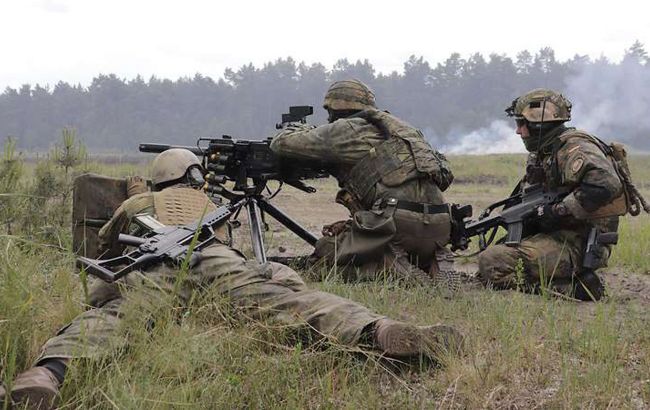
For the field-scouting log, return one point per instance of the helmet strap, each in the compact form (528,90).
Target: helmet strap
(541,127)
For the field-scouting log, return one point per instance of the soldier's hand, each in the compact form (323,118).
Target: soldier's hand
(557,210)
(335,228)
(135,185)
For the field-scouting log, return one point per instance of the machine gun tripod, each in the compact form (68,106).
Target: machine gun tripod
(256,205)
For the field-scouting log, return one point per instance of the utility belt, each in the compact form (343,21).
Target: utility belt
(418,207)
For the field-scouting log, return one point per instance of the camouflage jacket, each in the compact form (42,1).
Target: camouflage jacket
(176,205)
(573,161)
(341,145)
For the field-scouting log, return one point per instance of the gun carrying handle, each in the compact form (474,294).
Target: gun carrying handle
(515,232)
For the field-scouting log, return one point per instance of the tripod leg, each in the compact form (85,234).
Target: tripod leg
(286,220)
(255,221)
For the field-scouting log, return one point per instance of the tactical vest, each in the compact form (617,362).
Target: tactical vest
(404,155)
(629,201)
(180,206)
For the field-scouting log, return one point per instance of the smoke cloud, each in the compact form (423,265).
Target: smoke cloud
(609,100)
(612,101)
(499,137)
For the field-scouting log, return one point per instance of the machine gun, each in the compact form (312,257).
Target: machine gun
(167,243)
(250,165)
(516,210)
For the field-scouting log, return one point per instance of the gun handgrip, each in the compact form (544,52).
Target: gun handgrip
(515,232)
(608,238)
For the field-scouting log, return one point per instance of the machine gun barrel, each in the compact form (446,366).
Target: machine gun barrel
(158,148)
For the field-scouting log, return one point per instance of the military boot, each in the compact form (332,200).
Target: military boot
(401,340)
(586,287)
(589,287)
(36,388)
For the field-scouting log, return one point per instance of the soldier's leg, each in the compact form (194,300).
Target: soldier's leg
(285,298)
(91,334)
(352,256)
(274,291)
(421,235)
(539,259)
(363,238)
(98,331)
(367,250)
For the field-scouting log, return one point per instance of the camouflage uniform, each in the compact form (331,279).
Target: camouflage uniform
(376,157)
(261,291)
(552,250)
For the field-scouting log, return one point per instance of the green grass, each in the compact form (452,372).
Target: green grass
(523,351)
(493,169)
(633,248)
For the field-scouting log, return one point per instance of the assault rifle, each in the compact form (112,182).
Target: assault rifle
(167,243)
(250,165)
(516,210)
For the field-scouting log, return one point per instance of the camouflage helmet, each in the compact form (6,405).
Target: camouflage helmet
(349,95)
(172,164)
(531,105)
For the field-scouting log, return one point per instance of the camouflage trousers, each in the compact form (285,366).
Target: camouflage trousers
(270,291)
(372,240)
(543,258)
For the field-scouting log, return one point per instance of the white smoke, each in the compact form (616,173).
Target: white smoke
(497,138)
(609,100)
(612,101)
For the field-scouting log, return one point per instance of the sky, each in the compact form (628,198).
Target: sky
(46,41)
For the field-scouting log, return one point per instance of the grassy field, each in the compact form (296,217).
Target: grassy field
(523,351)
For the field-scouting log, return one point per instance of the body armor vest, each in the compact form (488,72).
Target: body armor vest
(180,206)
(403,156)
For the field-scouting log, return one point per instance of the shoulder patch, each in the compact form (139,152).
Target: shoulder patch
(577,164)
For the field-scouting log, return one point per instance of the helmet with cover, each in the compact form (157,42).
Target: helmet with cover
(349,95)
(540,105)
(172,165)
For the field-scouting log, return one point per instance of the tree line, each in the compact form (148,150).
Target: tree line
(448,98)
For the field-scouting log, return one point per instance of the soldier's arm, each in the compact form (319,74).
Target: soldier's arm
(329,142)
(121,219)
(583,165)
(111,230)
